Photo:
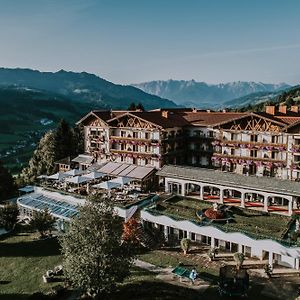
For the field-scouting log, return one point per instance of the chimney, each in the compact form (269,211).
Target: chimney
(282,109)
(270,109)
(294,108)
(165,114)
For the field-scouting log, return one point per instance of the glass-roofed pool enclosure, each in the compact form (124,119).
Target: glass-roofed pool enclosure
(65,207)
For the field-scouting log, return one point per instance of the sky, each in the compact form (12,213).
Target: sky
(132,41)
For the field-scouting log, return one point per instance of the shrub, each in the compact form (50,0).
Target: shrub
(185,245)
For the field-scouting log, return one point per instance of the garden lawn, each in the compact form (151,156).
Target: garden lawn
(23,261)
(252,222)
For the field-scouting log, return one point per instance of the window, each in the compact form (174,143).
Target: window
(253,138)
(253,153)
(273,154)
(147,135)
(274,139)
(135,134)
(123,133)
(232,151)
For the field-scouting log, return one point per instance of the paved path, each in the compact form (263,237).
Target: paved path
(166,274)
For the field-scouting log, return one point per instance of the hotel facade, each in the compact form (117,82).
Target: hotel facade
(261,144)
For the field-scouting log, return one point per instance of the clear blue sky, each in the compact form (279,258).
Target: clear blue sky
(129,41)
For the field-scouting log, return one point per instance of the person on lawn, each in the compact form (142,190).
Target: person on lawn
(193,275)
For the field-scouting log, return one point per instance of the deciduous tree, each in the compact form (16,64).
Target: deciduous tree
(95,257)
(185,245)
(42,221)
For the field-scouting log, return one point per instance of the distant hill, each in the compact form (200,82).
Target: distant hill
(203,95)
(257,103)
(26,114)
(251,99)
(82,87)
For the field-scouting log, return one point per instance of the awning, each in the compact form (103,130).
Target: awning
(107,185)
(27,189)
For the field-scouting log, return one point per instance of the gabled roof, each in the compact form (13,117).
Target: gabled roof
(155,118)
(103,115)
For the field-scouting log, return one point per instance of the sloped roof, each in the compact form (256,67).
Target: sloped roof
(126,170)
(204,118)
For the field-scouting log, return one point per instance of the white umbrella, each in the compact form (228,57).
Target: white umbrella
(94,175)
(121,180)
(107,185)
(57,176)
(73,172)
(77,179)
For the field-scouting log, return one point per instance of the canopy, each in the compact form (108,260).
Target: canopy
(107,185)
(27,189)
(77,179)
(73,172)
(57,176)
(42,177)
(121,180)
(94,175)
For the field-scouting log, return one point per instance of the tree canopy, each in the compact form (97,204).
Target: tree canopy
(54,145)
(42,221)
(7,185)
(95,257)
(8,216)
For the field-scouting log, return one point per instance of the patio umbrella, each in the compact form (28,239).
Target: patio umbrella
(42,177)
(94,175)
(121,180)
(57,176)
(73,172)
(107,185)
(77,179)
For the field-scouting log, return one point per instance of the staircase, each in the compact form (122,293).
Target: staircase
(146,238)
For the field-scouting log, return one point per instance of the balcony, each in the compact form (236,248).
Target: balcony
(133,140)
(248,158)
(134,153)
(251,145)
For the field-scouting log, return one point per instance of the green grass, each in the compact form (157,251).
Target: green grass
(143,285)
(249,221)
(23,261)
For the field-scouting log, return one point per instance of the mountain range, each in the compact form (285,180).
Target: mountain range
(202,95)
(82,87)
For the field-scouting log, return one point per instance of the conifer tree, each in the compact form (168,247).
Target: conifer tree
(7,185)
(64,141)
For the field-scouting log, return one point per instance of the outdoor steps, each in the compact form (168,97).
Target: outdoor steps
(146,239)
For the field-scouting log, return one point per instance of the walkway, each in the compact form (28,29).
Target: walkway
(165,274)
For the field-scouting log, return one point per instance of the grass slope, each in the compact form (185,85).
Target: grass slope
(23,262)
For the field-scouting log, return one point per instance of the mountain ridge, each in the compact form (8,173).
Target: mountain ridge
(202,94)
(82,87)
